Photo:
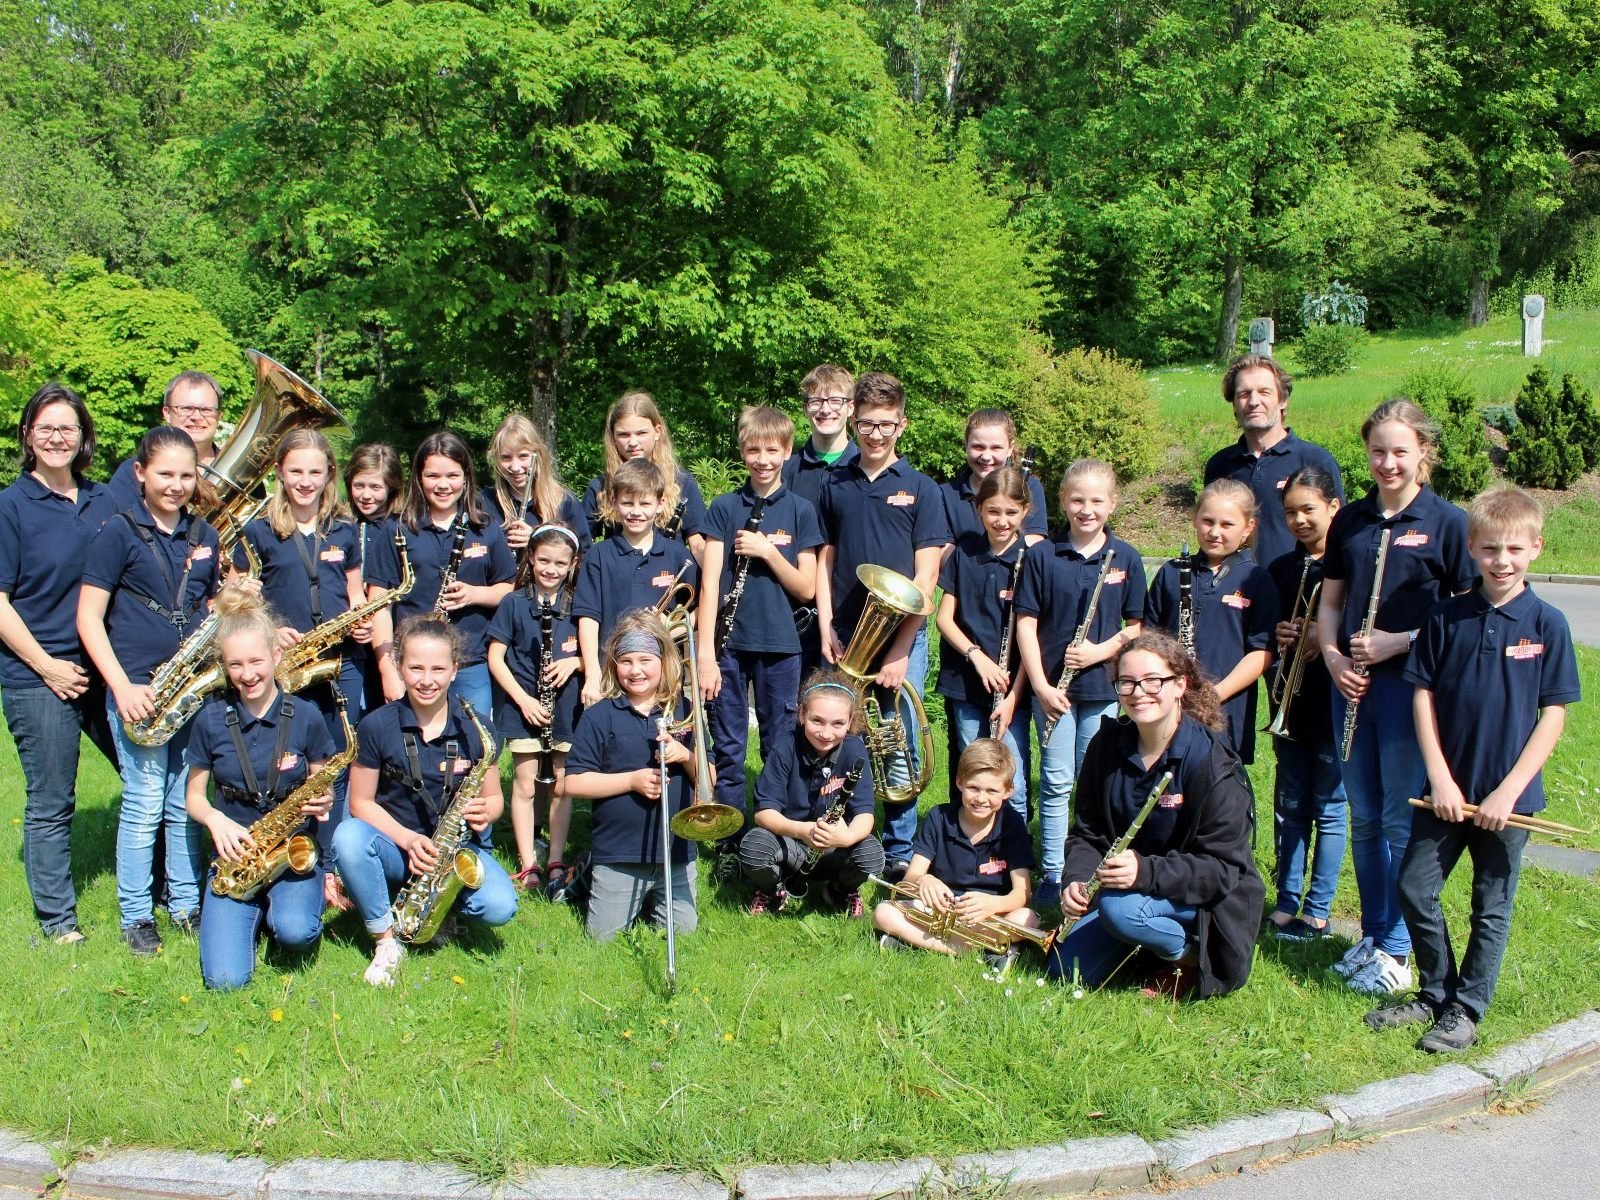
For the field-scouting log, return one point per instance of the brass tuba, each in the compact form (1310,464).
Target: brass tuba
(282,402)
(891,598)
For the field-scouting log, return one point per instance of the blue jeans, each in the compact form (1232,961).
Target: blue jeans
(1384,771)
(775,679)
(1058,768)
(153,783)
(1308,793)
(293,910)
(48,731)
(900,819)
(1120,924)
(373,867)
(971,722)
(475,687)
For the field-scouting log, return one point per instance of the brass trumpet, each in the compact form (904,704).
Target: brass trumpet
(891,598)
(992,934)
(1292,667)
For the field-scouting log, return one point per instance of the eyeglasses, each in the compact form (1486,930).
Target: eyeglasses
(877,428)
(48,433)
(191,410)
(827,403)
(1150,685)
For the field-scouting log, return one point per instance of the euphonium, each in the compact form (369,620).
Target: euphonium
(303,663)
(993,934)
(181,684)
(423,903)
(891,599)
(280,844)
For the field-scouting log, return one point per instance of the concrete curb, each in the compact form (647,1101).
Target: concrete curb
(1087,1165)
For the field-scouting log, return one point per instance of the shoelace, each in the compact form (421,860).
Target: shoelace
(1449,1020)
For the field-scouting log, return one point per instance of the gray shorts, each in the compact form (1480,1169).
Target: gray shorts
(623,893)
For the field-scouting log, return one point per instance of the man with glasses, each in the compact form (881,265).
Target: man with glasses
(192,402)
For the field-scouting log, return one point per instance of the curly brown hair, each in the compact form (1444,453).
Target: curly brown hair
(1200,701)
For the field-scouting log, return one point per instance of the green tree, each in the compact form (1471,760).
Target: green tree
(1544,449)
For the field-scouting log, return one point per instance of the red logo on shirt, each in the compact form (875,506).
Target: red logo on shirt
(288,761)
(833,785)
(1115,576)
(462,766)
(1281,482)
(570,646)
(332,554)
(1237,600)
(1005,594)
(1525,649)
(663,579)
(780,537)
(995,866)
(901,500)
(476,550)
(1412,537)
(201,554)
(1171,800)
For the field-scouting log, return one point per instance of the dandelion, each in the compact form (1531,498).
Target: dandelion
(1008,991)
(183,999)
(627,1035)
(240,1051)
(245,1081)
(1039,982)
(277,1015)
(337,1017)
(236,1084)
(16,820)
(1077,993)
(458,981)
(728,1036)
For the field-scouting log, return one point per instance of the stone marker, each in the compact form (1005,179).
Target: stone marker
(1263,332)
(1532,326)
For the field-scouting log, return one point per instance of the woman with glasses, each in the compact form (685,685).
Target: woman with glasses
(48,517)
(1185,892)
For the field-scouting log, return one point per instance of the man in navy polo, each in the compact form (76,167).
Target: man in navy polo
(191,401)
(1267,451)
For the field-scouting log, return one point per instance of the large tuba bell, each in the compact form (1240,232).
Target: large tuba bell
(283,402)
(891,598)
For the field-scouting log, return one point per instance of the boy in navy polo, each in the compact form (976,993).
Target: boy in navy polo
(826,394)
(761,647)
(881,510)
(633,570)
(1494,671)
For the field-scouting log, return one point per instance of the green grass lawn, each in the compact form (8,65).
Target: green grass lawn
(792,1038)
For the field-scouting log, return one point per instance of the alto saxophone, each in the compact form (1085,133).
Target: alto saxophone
(303,665)
(1353,708)
(1068,674)
(181,684)
(280,844)
(423,903)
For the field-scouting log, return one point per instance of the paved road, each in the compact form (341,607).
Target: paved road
(1581,604)
(1550,1153)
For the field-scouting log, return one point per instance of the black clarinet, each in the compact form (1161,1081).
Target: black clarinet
(545,694)
(674,526)
(1186,600)
(835,810)
(741,572)
(448,576)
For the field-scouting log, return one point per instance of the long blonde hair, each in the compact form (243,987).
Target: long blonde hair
(646,621)
(517,432)
(329,508)
(642,405)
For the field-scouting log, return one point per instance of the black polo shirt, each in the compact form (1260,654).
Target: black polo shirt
(800,785)
(122,564)
(570,515)
(211,748)
(1311,714)
(517,627)
(285,581)
(1428,561)
(807,474)
(1265,476)
(694,509)
(963,865)
(485,560)
(1056,585)
(381,745)
(961,508)
(1127,783)
(883,521)
(612,738)
(1490,671)
(764,622)
(616,578)
(1235,612)
(980,581)
(44,541)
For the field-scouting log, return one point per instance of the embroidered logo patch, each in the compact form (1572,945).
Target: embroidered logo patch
(1412,537)
(1115,576)
(901,500)
(781,537)
(570,646)
(288,762)
(833,785)
(1171,800)
(332,554)
(662,580)
(1237,600)
(1281,482)
(1005,594)
(201,554)
(995,866)
(476,550)
(1525,649)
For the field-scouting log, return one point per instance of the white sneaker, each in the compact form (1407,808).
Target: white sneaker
(385,962)
(1383,976)
(1355,958)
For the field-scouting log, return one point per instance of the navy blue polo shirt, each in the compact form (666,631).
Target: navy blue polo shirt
(381,745)
(1128,783)
(370,535)
(961,508)
(799,784)
(883,521)
(980,581)
(616,578)
(285,582)
(694,508)
(1235,611)
(570,514)
(211,748)
(126,495)
(1311,714)
(1265,476)
(121,563)
(1491,670)
(764,622)
(44,541)
(1428,561)
(485,560)
(518,628)
(807,474)
(1056,585)
(614,738)
(963,865)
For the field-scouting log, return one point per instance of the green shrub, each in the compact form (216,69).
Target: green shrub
(1087,403)
(1329,349)
(1464,468)
(1544,449)
(1578,404)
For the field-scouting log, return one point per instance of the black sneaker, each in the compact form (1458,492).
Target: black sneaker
(1001,960)
(1453,1031)
(895,869)
(188,922)
(1300,930)
(143,939)
(1048,895)
(1415,1011)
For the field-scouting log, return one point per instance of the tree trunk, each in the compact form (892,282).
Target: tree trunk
(542,372)
(1232,301)
(1478,298)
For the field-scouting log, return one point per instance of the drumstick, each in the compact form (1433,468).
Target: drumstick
(1518,821)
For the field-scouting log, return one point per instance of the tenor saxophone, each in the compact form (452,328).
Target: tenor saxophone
(423,903)
(280,843)
(1068,674)
(303,663)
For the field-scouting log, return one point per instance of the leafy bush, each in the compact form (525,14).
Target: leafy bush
(1087,403)
(1329,349)
(1547,448)
(1464,468)
(1339,305)
(1578,403)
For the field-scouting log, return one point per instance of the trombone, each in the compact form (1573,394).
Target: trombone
(705,820)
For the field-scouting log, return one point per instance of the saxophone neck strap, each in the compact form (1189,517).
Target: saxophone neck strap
(308,560)
(450,780)
(178,613)
(253,792)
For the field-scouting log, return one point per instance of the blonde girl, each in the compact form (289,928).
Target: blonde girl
(634,429)
(527,491)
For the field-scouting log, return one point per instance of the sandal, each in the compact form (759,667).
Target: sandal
(556,882)
(529,879)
